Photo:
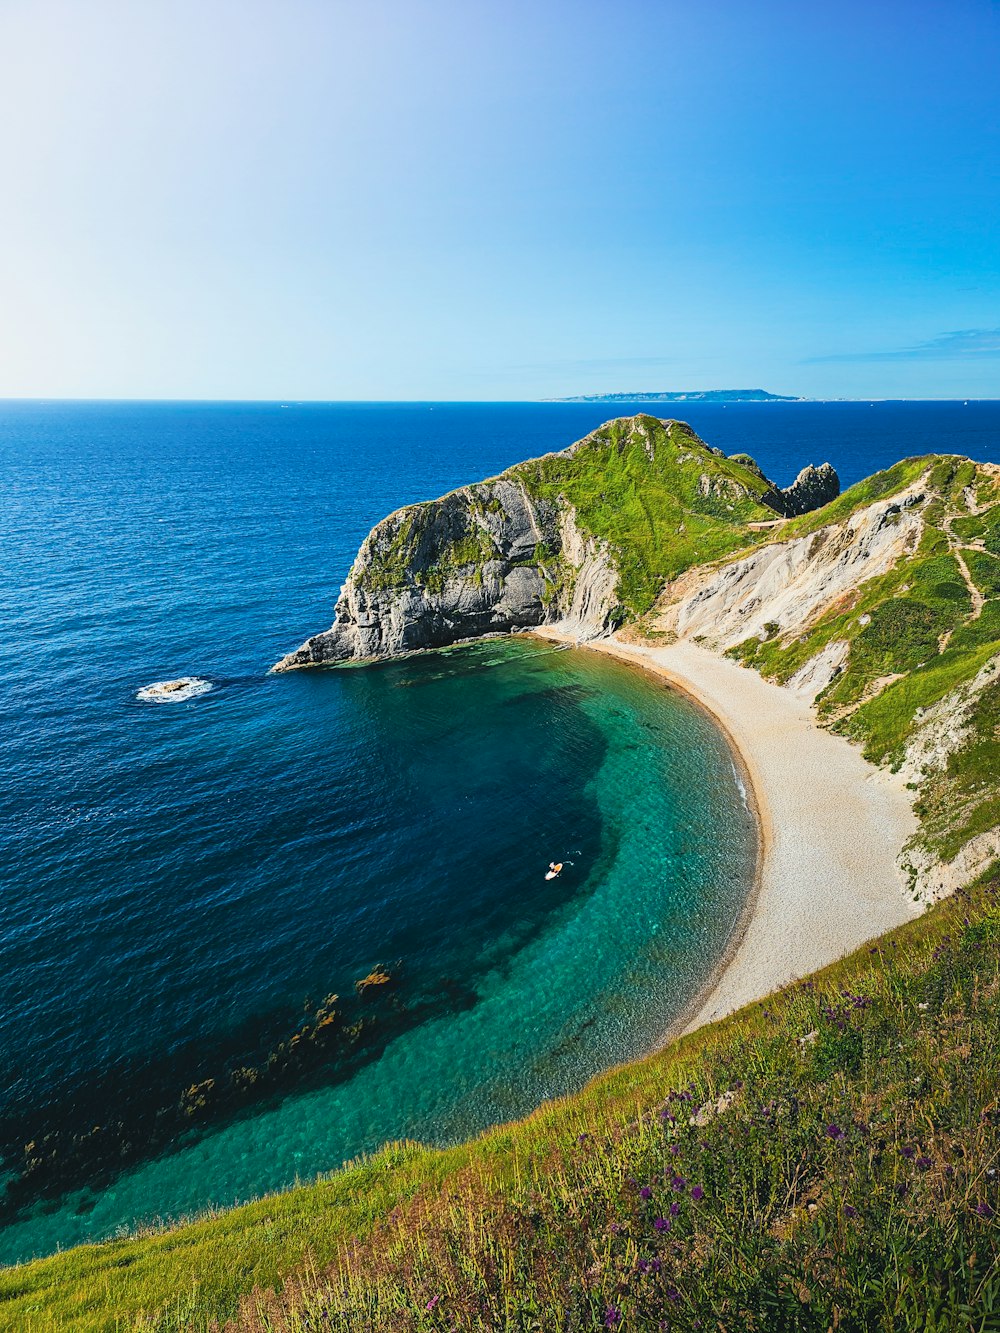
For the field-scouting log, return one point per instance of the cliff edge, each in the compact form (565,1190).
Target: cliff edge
(584,538)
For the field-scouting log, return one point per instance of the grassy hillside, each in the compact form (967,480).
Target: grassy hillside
(662,498)
(917,633)
(826,1159)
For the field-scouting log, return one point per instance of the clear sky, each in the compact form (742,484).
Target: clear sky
(487,199)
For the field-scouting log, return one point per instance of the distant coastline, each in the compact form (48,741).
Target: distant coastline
(682,396)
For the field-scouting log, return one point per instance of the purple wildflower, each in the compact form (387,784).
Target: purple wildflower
(849,1211)
(675,1210)
(983,1210)
(924,1163)
(834,1132)
(661,1223)
(678,1183)
(432,1302)
(673,1294)
(674,1150)
(612,1316)
(697,1193)
(908,1152)
(645,1192)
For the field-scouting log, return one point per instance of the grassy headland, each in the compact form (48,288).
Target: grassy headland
(659,496)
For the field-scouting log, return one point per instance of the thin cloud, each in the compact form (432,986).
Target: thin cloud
(958,343)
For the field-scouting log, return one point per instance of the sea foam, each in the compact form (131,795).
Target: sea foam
(174,691)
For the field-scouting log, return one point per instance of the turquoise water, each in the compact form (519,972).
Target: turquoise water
(477,767)
(183,884)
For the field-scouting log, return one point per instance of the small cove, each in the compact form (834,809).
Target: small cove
(185,884)
(426,847)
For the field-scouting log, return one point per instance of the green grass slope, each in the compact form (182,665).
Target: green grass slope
(826,1159)
(660,498)
(658,495)
(917,633)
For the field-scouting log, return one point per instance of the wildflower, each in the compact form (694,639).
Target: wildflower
(612,1316)
(582,1138)
(697,1193)
(924,1163)
(432,1302)
(645,1192)
(674,1150)
(834,1132)
(661,1223)
(678,1183)
(849,1211)
(908,1152)
(675,1210)
(983,1210)
(673,1294)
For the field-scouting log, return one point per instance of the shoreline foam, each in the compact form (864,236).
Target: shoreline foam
(830,827)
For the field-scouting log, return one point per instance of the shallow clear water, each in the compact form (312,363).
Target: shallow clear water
(183,883)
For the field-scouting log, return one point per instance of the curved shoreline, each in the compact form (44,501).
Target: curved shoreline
(830,829)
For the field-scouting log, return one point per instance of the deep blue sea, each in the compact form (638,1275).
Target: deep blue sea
(185,886)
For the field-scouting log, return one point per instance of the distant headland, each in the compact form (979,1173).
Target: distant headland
(682,396)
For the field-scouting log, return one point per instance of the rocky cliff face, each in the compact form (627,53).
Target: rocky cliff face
(788,585)
(888,618)
(486,559)
(514,552)
(812,488)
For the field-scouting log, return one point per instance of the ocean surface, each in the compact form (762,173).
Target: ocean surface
(192,891)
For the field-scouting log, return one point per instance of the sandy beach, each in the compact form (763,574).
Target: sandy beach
(832,826)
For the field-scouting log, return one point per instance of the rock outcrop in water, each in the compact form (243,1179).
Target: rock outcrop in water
(577,538)
(811,489)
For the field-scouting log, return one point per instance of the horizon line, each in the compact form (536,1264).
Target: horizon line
(572,401)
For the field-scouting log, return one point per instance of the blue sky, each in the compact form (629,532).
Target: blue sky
(426,199)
